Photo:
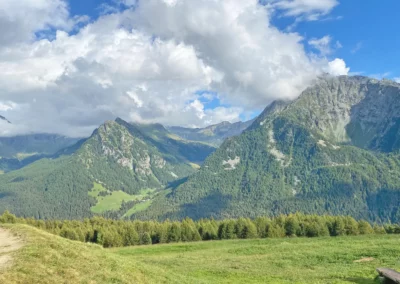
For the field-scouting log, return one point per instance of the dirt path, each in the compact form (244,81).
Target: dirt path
(8,244)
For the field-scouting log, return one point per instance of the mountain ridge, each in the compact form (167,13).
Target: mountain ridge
(332,150)
(287,161)
(118,156)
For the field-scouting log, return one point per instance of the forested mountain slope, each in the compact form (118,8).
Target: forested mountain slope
(333,150)
(118,156)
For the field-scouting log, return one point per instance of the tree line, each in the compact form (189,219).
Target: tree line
(118,233)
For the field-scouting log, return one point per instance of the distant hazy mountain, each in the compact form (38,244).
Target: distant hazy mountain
(33,144)
(19,151)
(334,150)
(214,134)
(123,157)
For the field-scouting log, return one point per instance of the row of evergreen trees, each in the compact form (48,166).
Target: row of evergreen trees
(112,233)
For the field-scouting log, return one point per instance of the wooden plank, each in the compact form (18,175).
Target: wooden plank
(389,274)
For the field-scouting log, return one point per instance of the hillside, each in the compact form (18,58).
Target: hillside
(213,134)
(46,258)
(332,150)
(119,162)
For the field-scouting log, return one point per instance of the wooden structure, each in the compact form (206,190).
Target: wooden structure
(390,275)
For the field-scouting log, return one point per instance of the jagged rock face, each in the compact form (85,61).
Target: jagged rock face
(117,143)
(271,111)
(114,143)
(134,157)
(357,110)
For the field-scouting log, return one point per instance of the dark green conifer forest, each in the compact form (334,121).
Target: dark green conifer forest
(114,233)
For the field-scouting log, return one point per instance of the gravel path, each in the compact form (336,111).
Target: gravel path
(8,244)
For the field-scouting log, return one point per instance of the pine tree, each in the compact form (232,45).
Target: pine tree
(145,239)
(174,233)
(250,230)
(131,237)
(292,226)
(364,228)
(338,227)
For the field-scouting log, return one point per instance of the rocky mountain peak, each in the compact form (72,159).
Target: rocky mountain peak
(357,110)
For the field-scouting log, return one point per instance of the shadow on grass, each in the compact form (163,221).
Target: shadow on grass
(359,280)
(174,184)
(209,206)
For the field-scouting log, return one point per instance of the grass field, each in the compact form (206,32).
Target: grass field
(51,259)
(111,202)
(115,199)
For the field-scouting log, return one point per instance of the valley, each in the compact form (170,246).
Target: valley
(199,141)
(303,155)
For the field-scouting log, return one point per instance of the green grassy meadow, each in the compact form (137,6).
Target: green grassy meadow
(113,201)
(51,259)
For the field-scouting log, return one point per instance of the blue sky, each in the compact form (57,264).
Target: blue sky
(180,62)
(368,31)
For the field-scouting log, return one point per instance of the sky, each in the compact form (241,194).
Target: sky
(69,65)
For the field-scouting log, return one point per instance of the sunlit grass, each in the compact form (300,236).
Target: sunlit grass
(113,201)
(51,259)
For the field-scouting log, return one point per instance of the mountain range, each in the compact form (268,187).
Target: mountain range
(119,157)
(213,134)
(334,149)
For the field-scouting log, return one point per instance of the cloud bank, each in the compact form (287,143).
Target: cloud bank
(148,62)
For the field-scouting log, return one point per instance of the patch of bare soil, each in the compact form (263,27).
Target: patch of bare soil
(365,259)
(8,244)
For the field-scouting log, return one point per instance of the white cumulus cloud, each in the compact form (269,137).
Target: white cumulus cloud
(309,9)
(338,67)
(20,20)
(147,63)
